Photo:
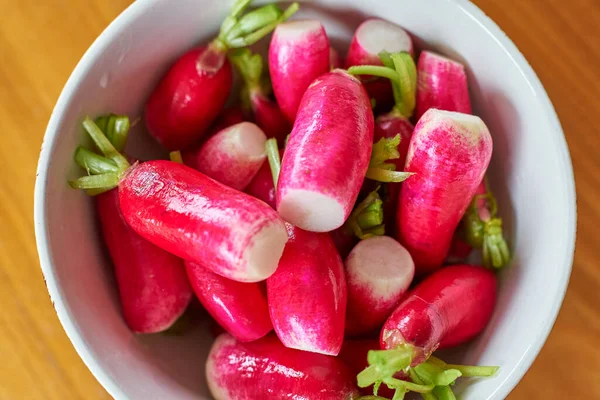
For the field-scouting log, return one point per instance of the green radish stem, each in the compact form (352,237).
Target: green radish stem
(99,180)
(415,378)
(273,158)
(116,129)
(175,156)
(486,233)
(94,163)
(366,220)
(401,70)
(468,371)
(379,170)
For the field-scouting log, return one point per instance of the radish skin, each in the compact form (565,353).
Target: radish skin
(233,156)
(448,308)
(199,219)
(298,54)
(269,117)
(449,154)
(371,38)
(307,294)
(378,273)
(153,288)
(327,155)
(240,308)
(265,369)
(262,186)
(442,84)
(230,116)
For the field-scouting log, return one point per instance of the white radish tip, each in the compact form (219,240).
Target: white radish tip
(249,139)
(264,252)
(470,123)
(382,264)
(311,211)
(298,28)
(376,35)
(429,56)
(211,370)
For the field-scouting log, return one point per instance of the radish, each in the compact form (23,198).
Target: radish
(442,84)
(335,61)
(266,112)
(307,294)
(372,37)
(449,307)
(483,229)
(190,96)
(327,155)
(449,153)
(153,288)
(228,117)
(262,186)
(240,308)
(378,273)
(298,54)
(265,369)
(233,156)
(191,215)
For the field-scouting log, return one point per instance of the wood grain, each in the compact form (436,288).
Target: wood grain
(40,43)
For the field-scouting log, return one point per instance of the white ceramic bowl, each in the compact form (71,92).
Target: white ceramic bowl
(530,172)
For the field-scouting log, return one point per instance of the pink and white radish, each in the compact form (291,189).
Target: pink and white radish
(192,93)
(327,155)
(378,273)
(191,215)
(240,308)
(298,54)
(307,294)
(372,37)
(448,308)
(265,369)
(233,156)
(442,84)
(449,153)
(266,113)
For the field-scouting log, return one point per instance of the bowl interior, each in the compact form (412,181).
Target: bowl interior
(530,173)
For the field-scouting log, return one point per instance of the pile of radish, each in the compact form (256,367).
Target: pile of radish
(324,220)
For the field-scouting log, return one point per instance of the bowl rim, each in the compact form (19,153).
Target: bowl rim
(136,9)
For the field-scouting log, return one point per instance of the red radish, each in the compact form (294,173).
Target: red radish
(442,84)
(378,273)
(372,37)
(354,355)
(344,240)
(233,156)
(459,248)
(449,153)
(190,96)
(191,215)
(449,307)
(266,112)
(307,294)
(298,54)
(327,154)
(265,369)
(335,61)
(262,186)
(483,229)
(240,308)
(153,288)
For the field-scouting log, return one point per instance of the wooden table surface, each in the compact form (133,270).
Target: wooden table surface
(40,43)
